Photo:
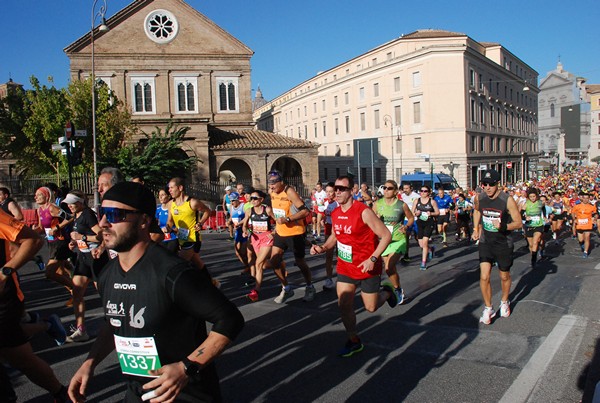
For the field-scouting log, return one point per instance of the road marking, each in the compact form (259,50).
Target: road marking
(534,370)
(597,267)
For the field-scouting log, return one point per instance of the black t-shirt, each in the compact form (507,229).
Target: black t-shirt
(167,298)
(85,222)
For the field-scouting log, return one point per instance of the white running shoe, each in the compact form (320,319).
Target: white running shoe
(487,315)
(505,309)
(309,293)
(283,296)
(77,336)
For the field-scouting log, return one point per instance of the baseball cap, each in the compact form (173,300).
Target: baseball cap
(228,188)
(234,196)
(490,176)
(133,194)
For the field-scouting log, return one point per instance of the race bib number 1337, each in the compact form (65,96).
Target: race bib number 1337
(137,355)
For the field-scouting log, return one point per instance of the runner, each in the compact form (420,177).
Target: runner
(408,196)
(445,205)
(51,223)
(226,206)
(162,216)
(290,214)
(463,218)
(393,212)
(535,213)
(558,215)
(9,205)
(318,211)
(258,226)
(237,215)
(492,224)
(424,209)
(356,230)
(86,237)
(330,205)
(583,221)
(108,177)
(14,345)
(156,305)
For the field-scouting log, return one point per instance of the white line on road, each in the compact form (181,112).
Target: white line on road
(533,371)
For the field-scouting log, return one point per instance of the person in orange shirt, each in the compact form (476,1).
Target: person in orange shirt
(583,216)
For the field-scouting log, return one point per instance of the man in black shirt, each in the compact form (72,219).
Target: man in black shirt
(156,305)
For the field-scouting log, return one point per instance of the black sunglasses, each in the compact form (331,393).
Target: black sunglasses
(389,188)
(489,184)
(255,198)
(425,190)
(115,215)
(339,188)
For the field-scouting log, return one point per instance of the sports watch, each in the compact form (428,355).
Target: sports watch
(191,368)
(84,238)
(7,271)
(373,259)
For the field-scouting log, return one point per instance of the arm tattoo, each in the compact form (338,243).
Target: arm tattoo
(200,352)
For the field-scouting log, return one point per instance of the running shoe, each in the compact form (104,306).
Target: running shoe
(444,244)
(309,293)
(283,296)
(78,335)
(351,348)
(585,255)
(399,295)
(253,296)
(56,329)
(431,253)
(505,309)
(405,259)
(40,263)
(329,284)
(423,266)
(69,303)
(487,315)
(393,298)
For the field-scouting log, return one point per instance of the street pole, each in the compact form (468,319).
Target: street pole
(102,28)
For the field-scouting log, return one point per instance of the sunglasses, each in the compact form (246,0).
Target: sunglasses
(339,188)
(389,188)
(255,198)
(115,215)
(424,191)
(490,184)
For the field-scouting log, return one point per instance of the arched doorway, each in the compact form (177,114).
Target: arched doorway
(235,170)
(289,167)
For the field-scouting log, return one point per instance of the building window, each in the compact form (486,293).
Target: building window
(186,94)
(417,112)
(396,84)
(480,82)
(481,113)
(361,94)
(471,78)
(416,79)
(418,145)
(482,145)
(473,144)
(551,110)
(305,110)
(325,153)
(376,118)
(324,128)
(314,107)
(161,26)
(143,95)
(492,115)
(363,121)
(499,118)
(228,94)
(398,115)
(348,149)
(376,89)
(347,124)
(346,98)
(338,152)
(323,105)
(335,101)
(473,111)
(336,126)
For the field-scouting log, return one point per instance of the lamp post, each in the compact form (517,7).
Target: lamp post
(102,28)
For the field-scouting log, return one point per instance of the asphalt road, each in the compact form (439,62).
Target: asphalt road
(431,349)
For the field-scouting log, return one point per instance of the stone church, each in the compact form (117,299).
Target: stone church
(168,62)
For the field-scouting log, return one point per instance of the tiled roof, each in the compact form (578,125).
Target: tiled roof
(431,33)
(592,88)
(250,139)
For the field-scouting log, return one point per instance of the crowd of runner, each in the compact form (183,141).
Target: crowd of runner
(142,254)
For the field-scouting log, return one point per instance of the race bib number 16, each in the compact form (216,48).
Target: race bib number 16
(137,355)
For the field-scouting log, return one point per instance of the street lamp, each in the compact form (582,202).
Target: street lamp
(102,28)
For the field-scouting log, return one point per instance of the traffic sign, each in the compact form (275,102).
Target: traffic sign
(69,130)
(56,147)
(80,133)
(509,164)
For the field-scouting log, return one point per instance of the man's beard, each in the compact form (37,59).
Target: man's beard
(125,242)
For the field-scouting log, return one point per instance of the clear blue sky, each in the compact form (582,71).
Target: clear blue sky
(293,40)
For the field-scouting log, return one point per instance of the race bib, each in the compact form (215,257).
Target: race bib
(183,234)
(442,211)
(344,252)
(424,216)
(137,355)
(167,236)
(113,254)
(260,226)
(582,221)
(82,245)
(321,209)
(536,220)
(279,213)
(557,211)
(488,224)
(235,220)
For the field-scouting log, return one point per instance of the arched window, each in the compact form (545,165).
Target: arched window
(551,110)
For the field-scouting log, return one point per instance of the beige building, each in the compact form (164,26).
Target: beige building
(432,100)
(168,62)
(593,92)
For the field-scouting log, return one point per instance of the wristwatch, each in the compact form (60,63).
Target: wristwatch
(287,219)
(191,368)
(373,259)
(84,238)
(7,271)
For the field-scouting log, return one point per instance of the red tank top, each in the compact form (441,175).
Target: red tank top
(356,242)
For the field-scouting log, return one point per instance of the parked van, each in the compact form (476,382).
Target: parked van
(419,179)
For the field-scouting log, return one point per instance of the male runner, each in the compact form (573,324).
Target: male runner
(494,216)
(408,196)
(583,222)
(155,306)
(445,204)
(361,237)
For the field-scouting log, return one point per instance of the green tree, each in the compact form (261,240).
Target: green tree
(158,157)
(12,119)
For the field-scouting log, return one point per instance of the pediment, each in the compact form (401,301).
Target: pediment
(553,80)
(197,35)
